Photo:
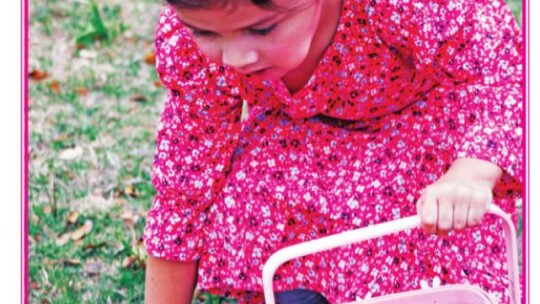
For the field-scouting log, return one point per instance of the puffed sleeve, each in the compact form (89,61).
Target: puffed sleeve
(474,49)
(197,134)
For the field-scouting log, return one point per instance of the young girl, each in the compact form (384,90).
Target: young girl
(360,112)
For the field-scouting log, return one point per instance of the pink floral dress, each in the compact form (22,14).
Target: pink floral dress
(405,88)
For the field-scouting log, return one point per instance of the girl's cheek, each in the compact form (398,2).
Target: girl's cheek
(211,51)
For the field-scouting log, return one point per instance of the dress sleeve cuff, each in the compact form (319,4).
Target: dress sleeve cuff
(174,229)
(496,133)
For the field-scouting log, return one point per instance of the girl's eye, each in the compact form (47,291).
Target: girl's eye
(259,32)
(200,33)
(264,31)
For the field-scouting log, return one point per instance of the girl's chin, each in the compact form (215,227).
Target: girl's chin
(267,74)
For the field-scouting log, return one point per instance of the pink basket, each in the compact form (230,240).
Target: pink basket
(450,294)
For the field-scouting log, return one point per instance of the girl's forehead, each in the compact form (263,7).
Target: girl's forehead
(230,5)
(241,15)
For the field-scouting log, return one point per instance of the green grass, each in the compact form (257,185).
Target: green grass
(515,6)
(94,54)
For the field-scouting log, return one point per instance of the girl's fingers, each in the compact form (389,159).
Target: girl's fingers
(445,216)
(461,212)
(446,207)
(428,212)
(442,211)
(474,216)
(479,206)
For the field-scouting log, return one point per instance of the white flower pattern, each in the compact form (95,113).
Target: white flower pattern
(423,88)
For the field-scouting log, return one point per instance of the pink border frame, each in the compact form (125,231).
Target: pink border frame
(24,148)
(525,151)
(25,157)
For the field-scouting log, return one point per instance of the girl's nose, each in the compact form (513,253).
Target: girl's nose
(239,59)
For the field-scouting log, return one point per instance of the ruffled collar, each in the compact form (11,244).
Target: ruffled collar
(308,101)
(360,76)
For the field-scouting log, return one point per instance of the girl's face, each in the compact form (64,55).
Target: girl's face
(252,40)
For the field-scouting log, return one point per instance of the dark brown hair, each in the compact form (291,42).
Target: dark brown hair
(205,4)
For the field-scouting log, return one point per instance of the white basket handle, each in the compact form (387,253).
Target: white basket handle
(362,234)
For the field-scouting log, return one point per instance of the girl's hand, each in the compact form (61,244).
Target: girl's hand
(460,197)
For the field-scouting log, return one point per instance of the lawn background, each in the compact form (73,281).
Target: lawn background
(94,101)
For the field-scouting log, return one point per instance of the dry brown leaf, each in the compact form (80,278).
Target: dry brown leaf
(48,262)
(117,193)
(72,262)
(128,261)
(139,250)
(117,248)
(202,298)
(131,191)
(34,285)
(158,84)
(92,267)
(61,137)
(73,216)
(150,58)
(38,74)
(94,246)
(55,86)
(129,218)
(81,91)
(75,235)
(47,209)
(80,232)
(69,175)
(63,239)
(138,98)
(143,213)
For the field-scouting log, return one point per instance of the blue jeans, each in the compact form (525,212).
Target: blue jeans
(300,296)
(296,296)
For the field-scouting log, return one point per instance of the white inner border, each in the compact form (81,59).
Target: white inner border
(534,81)
(10,157)
(10,152)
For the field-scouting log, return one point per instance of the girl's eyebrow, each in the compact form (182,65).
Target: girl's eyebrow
(262,21)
